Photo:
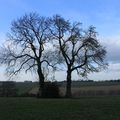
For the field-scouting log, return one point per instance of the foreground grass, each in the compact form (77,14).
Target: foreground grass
(85,108)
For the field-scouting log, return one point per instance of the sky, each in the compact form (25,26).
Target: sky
(103,14)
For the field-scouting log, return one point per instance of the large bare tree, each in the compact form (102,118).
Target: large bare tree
(25,48)
(79,48)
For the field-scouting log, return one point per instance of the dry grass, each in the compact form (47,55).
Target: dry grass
(96,90)
(88,90)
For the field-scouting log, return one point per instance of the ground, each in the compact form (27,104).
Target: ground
(84,108)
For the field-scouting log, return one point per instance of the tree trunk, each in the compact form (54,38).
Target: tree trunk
(41,82)
(68,85)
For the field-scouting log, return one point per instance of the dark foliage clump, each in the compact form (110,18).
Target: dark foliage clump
(51,90)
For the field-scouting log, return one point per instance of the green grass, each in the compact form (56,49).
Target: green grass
(85,108)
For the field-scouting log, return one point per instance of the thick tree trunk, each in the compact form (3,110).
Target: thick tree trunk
(68,85)
(41,82)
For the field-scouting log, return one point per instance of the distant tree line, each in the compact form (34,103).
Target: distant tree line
(41,44)
(51,89)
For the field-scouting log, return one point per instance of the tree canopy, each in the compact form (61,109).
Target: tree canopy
(79,48)
(36,43)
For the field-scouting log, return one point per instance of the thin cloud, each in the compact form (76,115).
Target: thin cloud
(112,45)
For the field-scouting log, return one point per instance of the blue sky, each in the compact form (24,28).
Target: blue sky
(103,14)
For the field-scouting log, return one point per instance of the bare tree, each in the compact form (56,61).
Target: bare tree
(28,47)
(25,48)
(80,49)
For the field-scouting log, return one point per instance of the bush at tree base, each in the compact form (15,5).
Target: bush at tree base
(51,90)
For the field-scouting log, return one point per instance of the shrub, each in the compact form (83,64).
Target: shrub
(51,90)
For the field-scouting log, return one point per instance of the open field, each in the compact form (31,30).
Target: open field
(89,90)
(85,108)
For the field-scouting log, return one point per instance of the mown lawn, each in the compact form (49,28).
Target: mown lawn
(84,108)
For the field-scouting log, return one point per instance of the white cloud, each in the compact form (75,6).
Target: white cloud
(114,67)
(2,37)
(112,45)
(113,72)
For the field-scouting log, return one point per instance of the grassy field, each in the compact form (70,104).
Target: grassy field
(85,108)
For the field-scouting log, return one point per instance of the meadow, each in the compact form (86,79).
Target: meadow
(84,108)
(87,89)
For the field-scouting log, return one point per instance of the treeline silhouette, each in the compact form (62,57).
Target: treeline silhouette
(53,89)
